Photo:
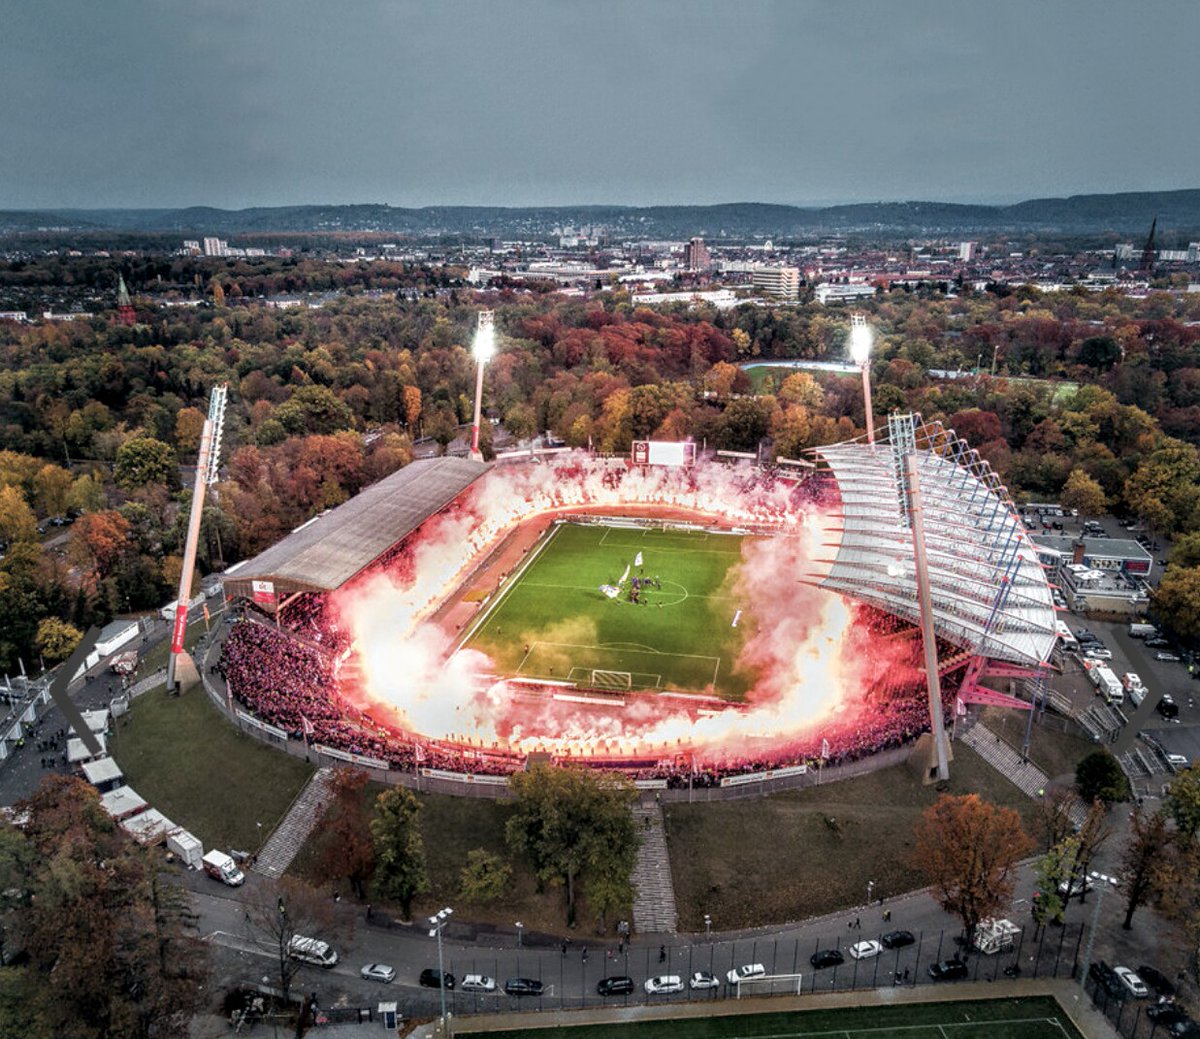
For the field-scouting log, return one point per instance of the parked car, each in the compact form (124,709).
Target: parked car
(1177,761)
(827,958)
(523,987)
(1133,984)
(1164,655)
(1168,1016)
(1167,706)
(897,939)
(701,979)
(1075,887)
(620,985)
(864,950)
(1157,642)
(431,978)
(664,984)
(378,972)
(1106,980)
(478,983)
(1098,652)
(952,969)
(748,970)
(1156,980)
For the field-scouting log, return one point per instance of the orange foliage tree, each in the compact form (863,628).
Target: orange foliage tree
(969,850)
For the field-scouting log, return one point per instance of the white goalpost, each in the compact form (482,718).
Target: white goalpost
(773,985)
(602,679)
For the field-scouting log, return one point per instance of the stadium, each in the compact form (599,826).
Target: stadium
(680,622)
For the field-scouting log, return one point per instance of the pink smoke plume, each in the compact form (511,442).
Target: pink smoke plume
(811,660)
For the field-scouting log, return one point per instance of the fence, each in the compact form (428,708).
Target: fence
(570,977)
(1130,1017)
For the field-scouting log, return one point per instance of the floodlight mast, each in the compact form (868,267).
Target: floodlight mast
(860,353)
(207,469)
(483,349)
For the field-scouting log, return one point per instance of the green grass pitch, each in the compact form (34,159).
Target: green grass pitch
(1033,1018)
(553,621)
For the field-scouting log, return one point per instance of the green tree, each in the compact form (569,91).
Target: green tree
(968,849)
(142,461)
(1053,869)
(56,640)
(485,878)
(1183,801)
(52,489)
(399,849)
(573,823)
(1099,776)
(313,409)
(1099,352)
(87,495)
(1083,493)
(1186,550)
(1177,600)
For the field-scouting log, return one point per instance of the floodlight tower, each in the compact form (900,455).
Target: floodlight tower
(905,471)
(207,466)
(860,353)
(483,349)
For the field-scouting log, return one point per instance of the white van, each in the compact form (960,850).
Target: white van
(312,950)
(1142,631)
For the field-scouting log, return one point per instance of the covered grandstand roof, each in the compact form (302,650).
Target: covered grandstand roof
(990,594)
(328,550)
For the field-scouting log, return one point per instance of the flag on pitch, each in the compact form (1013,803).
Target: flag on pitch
(611,590)
(307,726)
(638,561)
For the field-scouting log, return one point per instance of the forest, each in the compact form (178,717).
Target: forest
(1095,398)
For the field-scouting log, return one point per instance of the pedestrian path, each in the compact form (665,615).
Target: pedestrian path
(1024,774)
(291,833)
(654,898)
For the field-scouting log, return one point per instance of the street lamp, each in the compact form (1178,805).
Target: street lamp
(860,354)
(707,925)
(870,888)
(520,928)
(436,924)
(483,349)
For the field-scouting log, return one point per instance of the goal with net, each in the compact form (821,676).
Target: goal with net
(771,985)
(601,679)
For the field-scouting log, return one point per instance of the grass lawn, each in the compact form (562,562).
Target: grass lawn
(810,851)
(1053,751)
(452,827)
(1037,1017)
(201,773)
(554,622)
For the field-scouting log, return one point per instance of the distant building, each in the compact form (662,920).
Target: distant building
(780,282)
(827,294)
(966,251)
(125,312)
(192,246)
(1193,252)
(1123,251)
(215,247)
(13,315)
(696,256)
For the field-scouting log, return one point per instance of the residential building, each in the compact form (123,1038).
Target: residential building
(696,256)
(780,282)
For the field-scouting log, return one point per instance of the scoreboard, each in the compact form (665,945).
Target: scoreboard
(664,452)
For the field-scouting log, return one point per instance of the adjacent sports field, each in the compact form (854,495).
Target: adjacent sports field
(1034,1018)
(554,621)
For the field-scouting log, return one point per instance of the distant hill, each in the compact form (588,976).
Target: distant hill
(1129,213)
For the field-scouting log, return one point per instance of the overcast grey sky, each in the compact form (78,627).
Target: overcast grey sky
(546,102)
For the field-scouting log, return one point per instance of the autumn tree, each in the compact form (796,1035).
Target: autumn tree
(103,929)
(412,408)
(52,489)
(573,824)
(276,916)
(1083,494)
(399,848)
(1053,823)
(98,541)
(189,426)
(17,521)
(1177,600)
(56,640)
(485,878)
(347,851)
(313,409)
(144,460)
(1143,859)
(968,849)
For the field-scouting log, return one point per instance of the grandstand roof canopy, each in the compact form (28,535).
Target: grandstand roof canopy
(328,550)
(989,593)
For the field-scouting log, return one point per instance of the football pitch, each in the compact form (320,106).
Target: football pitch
(672,624)
(1037,1017)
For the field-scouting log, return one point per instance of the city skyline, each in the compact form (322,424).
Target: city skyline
(547,104)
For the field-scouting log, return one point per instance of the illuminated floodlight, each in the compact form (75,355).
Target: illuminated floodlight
(484,346)
(860,339)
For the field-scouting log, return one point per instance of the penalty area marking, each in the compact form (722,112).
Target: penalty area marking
(609,650)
